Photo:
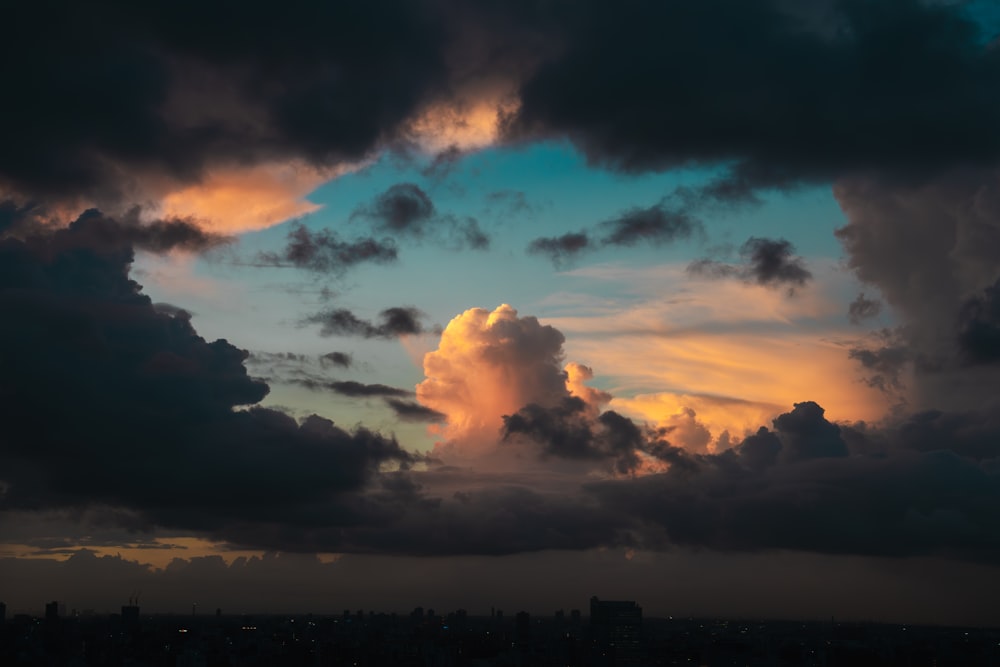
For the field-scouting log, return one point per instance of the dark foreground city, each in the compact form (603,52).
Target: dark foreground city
(609,633)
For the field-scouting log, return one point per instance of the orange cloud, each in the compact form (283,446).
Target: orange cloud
(490,364)
(576,377)
(700,423)
(463,124)
(762,369)
(733,354)
(702,375)
(241,199)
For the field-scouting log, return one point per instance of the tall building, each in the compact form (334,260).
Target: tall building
(617,628)
(52,611)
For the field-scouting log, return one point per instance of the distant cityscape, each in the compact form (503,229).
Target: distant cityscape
(610,633)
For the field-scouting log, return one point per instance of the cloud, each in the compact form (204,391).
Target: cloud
(979,327)
(885,361)
(100,231)
(488,364)
(767,262)
(443,163)
(352,388)
(499,379)
(796,488)
(863,308)
(654,226)
(405,210)
(806,92)
(733,355)
(394,322)
(671,220)
(342,359)
(116,404)
(410,411)
(402,209)
(938,283)
(325,252)
(700,423)
(777,93)
(920,487)
(169,100)
(468,121)
(561,249)
(235,199)
(509,203)
(568,431)
(16,218)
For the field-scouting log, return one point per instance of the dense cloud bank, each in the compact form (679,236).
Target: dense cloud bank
(116,407)
(111,403)
(782,92)
(932,252)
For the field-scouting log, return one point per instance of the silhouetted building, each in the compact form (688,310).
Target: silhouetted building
(522,628)
(3,612)
(52,611)
(417,615)
(617,628)
(130,617)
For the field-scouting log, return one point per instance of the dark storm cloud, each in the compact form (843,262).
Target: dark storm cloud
(168,95)
(797,488)
(931,250)
(325,252)
(923,486)
(411,411)
(404,210)
(884,363)
(863,308)
(972,435)
(352,388)
(17,218)
(777,92)
(110,402)
(767,262)
(393,322)
(100,231)
(566,430)
(782,92)
(979,327)
(161,236)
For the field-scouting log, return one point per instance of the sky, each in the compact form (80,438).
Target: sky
(469,304)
